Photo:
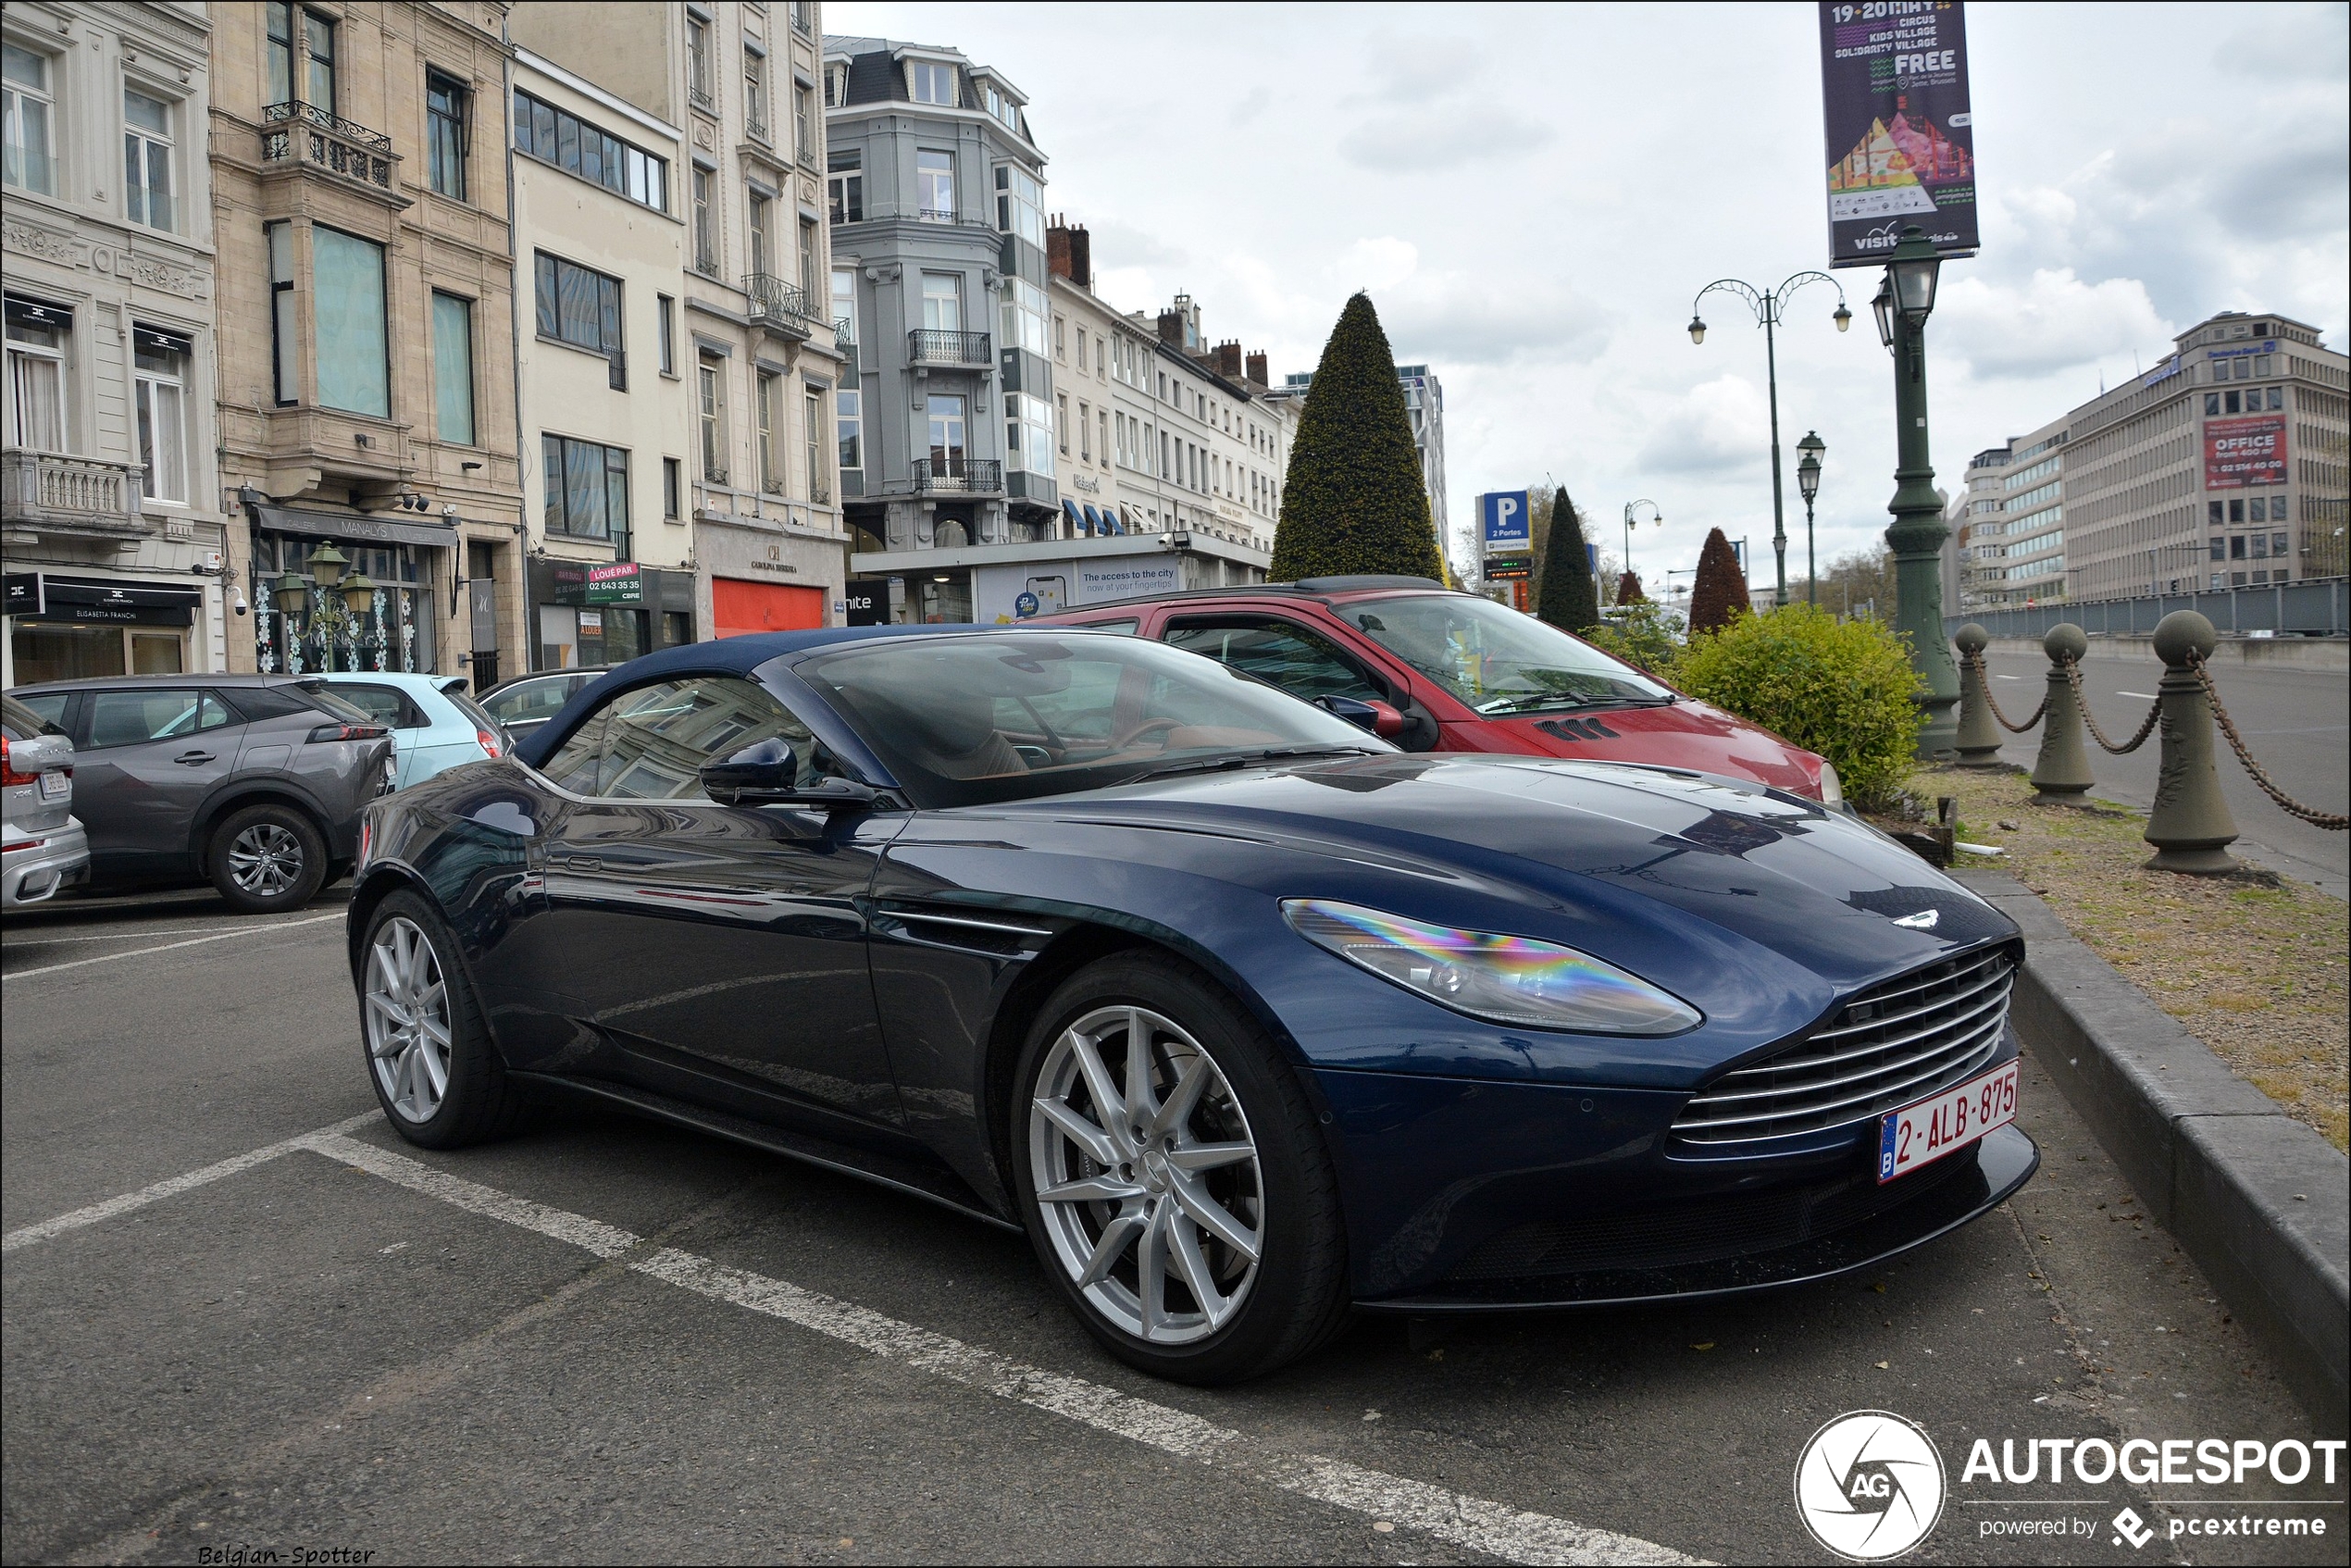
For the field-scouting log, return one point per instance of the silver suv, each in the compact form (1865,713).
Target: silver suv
(45,849)
(252,782)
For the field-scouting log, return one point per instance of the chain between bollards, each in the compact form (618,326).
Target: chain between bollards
(2331,821)
(2154,711)
(1975,668)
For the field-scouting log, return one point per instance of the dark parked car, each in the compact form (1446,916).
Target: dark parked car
(1241,1014)
(522,704)
(1438,670)
(252,782)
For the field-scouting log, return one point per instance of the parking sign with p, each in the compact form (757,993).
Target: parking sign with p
(1503,519)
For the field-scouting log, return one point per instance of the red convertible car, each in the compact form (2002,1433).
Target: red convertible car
(1436,670)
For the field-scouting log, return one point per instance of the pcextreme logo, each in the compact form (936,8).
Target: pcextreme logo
(1870,1486)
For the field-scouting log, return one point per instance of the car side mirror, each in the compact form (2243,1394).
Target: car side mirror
(755,780)
(1376,717)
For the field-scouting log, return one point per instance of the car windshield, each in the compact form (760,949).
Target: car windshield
(1496,660)
(973,720)
(23,723)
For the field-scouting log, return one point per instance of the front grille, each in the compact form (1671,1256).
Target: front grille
(1892,1044)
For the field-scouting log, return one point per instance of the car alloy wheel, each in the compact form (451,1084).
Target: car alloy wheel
(407,1019)
(1147,1175)
(265,859)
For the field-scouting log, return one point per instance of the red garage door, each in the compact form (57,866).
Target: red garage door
(737,607)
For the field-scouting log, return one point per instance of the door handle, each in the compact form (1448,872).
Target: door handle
(191,758)
(579,863)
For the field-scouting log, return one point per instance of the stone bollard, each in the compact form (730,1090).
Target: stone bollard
(2062,770)
(2190,826)
(1978,741)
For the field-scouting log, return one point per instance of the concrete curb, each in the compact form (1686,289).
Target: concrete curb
(2261,1202)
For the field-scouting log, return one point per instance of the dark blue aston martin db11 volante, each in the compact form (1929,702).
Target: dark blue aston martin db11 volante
(1244,1017)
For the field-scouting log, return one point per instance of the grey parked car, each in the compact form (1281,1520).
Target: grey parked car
(45,851)
(252,782)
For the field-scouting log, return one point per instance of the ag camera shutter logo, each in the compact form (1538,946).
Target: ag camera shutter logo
(1870,1486)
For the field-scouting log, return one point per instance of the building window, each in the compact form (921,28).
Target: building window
(37,342)
(453,369)
(933,83)
(803,17)
(301,68)
(665,325)
(587,485)
(2277,397)
(845,186)
(771,456)
(282,322)
(1085,434)
(1029,434)
(836,86)
(845,303)
(705,222)
(1024,313)
(803,104)
(935,185)
(762,259)
(146,159)
(755,94)
(812,409)
(1020,204)
(947,448)
(26,109)
(1060,420)
(445,134)
(352,358)
(848,428)
(1102,431)
(808,259)
(942,302)
(553,136)
(160,400)
(697,86)
(712,409)
(673,485)
(583,308)
(1060,340)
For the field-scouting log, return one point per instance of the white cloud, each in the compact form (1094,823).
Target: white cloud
(2052,320)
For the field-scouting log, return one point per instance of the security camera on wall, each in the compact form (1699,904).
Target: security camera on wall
(237,600)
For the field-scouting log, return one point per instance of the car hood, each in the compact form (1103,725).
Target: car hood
(1609,847)
(1684,734)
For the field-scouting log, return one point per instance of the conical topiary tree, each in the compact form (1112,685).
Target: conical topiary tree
(1628,590)
(1719,597)
(1353,500)
(1568,597)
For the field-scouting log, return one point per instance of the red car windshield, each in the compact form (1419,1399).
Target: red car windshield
(1496,660)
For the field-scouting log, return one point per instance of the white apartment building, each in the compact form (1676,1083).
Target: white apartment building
(111,517)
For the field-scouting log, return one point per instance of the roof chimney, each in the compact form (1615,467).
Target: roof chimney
(1057,248)
(1081,257)
(1227,359)
(1257,368)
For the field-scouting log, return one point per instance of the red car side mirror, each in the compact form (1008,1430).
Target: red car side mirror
(1386,723)
(1380,718)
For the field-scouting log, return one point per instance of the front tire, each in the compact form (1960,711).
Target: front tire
(1172,1177)
(268,860)
(435,1070)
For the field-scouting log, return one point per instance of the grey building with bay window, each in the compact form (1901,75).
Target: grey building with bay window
(935,197)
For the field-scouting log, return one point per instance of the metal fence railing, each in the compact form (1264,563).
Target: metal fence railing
(2316,606)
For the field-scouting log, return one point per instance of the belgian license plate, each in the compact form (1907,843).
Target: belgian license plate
(56,785)
(1945,1123)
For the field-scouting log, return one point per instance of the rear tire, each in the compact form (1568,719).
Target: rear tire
(267,860)
(1152,1204)
(429,1054)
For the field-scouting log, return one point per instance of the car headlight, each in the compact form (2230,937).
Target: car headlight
(1831,787)
(1507,979)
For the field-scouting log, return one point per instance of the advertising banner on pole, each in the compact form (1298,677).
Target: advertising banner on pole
(1504,520)
(1901,137)
(2244,454)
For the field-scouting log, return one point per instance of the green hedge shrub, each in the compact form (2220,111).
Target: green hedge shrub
(1643,634)
(1843,688)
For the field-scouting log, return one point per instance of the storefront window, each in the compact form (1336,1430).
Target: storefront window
(394,629)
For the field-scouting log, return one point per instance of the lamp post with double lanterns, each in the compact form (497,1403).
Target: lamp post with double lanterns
(1657,515)
(1903,303)
(1769,308)
(1808,480)
(336,615)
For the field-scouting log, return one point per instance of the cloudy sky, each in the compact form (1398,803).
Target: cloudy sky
(1534,195)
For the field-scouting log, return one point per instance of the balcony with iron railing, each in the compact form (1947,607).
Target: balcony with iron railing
(937,215)
(299,133)
(925,346)
(698,90)
(781,306)
(958,476)
(89,496)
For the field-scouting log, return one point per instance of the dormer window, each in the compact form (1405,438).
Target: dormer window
(933,83)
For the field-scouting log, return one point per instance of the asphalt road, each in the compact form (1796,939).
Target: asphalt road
(610,1339)
(2294,721)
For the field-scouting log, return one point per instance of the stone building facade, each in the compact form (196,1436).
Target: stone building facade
(112,526)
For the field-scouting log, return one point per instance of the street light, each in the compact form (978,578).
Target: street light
(1769,308)
(1808,480)
(1903,304)
(335,613)
(1656,516)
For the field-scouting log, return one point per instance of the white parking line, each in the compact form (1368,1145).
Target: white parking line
(2142,696)
(125,936)
(1997,676)
(170,1185)
(1481,1525)
(191,941)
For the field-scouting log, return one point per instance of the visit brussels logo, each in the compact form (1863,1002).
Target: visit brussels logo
(1870,1486)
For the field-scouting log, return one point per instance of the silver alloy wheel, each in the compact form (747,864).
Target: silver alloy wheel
(407,1019)
(265,859)
(1147,1174)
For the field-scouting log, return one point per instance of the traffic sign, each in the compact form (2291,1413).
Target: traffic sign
(1504,521)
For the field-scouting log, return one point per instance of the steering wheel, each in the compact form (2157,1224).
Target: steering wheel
(1162,726)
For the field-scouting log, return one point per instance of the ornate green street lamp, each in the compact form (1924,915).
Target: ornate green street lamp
(1808,480)
(1916,537)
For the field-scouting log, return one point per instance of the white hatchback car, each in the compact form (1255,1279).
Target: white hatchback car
(434,725)
(45,849)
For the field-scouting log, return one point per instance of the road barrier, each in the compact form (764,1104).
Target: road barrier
(2189,825)
(2315,606)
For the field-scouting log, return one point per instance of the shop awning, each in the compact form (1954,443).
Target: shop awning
(105,599)
(1095,522)
(1076,521)
(274,518)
